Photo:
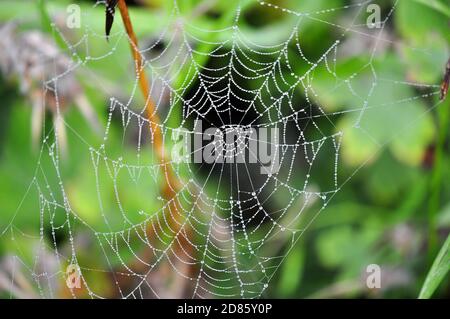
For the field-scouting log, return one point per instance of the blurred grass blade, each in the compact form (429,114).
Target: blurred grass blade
(436,5)
(440,268)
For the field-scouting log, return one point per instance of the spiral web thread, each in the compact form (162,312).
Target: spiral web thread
(232,227)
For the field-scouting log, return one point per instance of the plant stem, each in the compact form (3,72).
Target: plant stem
(436,179)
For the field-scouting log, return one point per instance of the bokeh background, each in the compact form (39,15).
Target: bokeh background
(395,209)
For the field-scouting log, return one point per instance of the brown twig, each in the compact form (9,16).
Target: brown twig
(143,82)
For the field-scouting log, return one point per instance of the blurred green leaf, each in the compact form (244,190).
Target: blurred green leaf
(416,21)
(338,93)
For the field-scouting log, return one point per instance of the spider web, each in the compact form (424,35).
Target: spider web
(229,226)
